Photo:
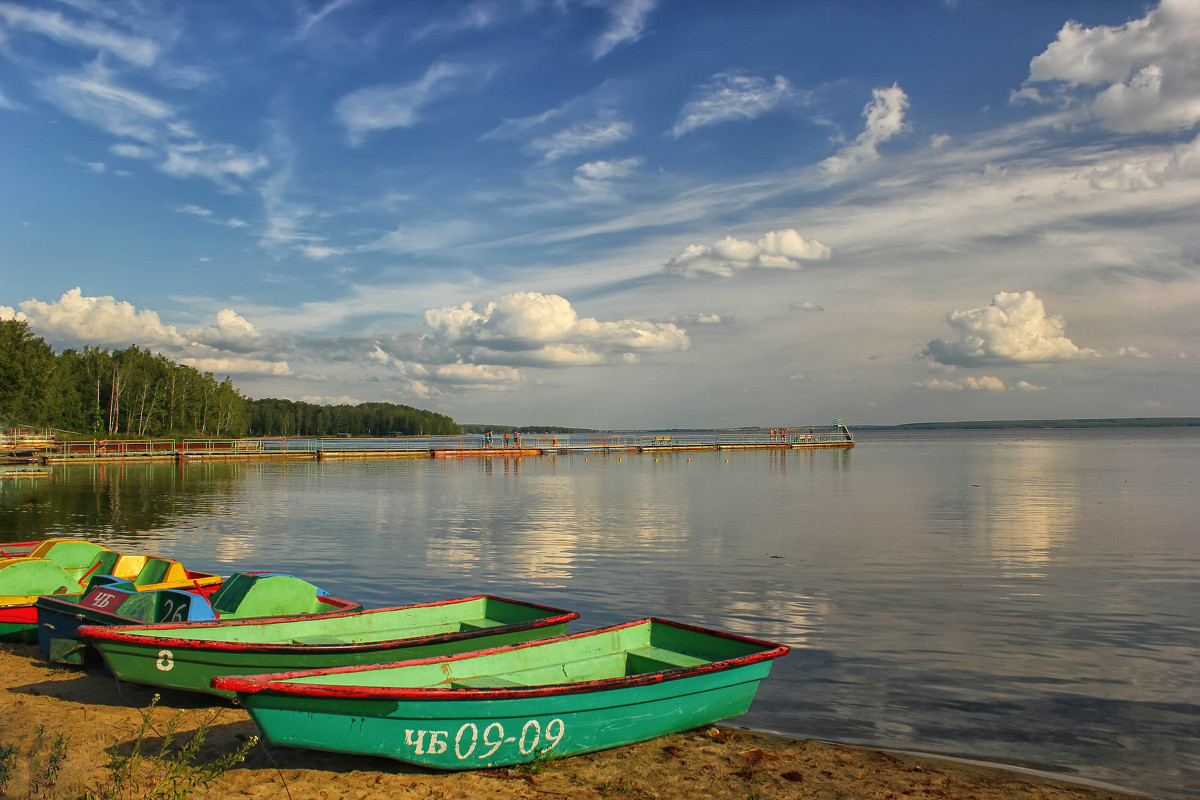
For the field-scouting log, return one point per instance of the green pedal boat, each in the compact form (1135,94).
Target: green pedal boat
(511,705)
(189,655)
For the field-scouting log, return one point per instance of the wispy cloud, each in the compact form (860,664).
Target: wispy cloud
(627,25)
(87,35)
(6,103)
(379,108)
(579,138)
(93,96)
(732,96)
(312,20)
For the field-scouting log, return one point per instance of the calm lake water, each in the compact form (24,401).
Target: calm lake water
(1026,598)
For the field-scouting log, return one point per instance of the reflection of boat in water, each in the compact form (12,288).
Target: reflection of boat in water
(27,474)
(21,445)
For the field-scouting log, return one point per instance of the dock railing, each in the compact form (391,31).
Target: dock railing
(836,435)
(115,448)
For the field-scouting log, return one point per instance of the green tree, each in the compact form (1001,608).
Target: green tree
(26,374)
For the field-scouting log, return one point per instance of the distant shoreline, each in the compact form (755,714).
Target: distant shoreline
(1018,424)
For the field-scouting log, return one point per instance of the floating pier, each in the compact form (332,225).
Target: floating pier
(464,446)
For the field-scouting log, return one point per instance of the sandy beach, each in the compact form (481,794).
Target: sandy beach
(101,717)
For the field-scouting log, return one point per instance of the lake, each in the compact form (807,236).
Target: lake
(1029,598)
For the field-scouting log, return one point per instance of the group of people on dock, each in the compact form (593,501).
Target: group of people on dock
(513,441)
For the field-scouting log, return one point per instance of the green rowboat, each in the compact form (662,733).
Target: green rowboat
(545,699)
(114,602)
(189,655)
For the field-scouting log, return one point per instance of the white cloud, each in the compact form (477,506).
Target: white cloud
(91,96)
(581,137)
(231,365)
(783,249)
(91,36)
(885,119)
(628,22)
(608,170)
(379,108)
(78,320)
(309,21)
(132,151)
(207,215)
(217,162)
(535,329)
(981,384)
(103,321)
(428,236)
(1013,329)
(597,179)
(325,400)
(732,96)
(478,375)
(1147,68)
(231,332)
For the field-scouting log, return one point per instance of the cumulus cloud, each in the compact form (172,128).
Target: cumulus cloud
(76,319)
(784,249)
(1014,329)
(535,329)
(104,321)
(233,332)
(377,108)
(732,96)
(885,119)
(985,383)
(1142,76)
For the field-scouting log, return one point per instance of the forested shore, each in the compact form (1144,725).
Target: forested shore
(95,392)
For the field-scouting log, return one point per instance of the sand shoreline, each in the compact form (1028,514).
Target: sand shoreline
(99,715)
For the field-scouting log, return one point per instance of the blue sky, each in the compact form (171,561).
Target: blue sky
(625,213)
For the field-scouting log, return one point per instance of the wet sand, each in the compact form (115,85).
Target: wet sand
(101,717)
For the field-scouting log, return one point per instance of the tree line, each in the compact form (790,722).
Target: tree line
(133,392)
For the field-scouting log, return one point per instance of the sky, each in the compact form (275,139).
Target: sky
(619,214)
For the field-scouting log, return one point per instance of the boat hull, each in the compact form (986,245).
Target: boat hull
(18,623)
(190,657)
(511,705)
(473,734)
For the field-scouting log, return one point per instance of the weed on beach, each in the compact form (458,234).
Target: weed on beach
(170,773)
